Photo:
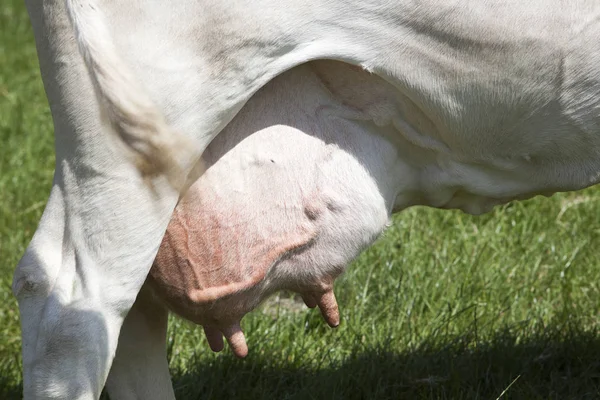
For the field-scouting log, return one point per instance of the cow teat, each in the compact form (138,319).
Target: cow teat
(235,336)
(327,304)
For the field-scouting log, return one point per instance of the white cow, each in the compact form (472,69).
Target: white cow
(484,102)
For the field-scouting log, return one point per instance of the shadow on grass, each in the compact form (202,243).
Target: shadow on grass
(557,365)
(9,389)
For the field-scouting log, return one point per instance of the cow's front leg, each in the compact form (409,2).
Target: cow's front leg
(140,369)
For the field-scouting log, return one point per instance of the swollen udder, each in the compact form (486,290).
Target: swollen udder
(285,203)
(219,259)
(250,226)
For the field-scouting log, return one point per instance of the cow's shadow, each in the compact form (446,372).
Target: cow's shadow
(9,389)
(556,365)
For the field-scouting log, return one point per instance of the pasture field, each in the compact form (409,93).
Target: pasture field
(444,306)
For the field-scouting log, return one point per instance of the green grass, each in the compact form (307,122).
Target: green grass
(444,306)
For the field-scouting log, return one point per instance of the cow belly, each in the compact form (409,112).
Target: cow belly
(286,202)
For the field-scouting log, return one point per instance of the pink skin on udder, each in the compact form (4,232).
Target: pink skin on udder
(213,261)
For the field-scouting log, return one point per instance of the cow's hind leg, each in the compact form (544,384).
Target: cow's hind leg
(140,369)
(78,280)
(103,222)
